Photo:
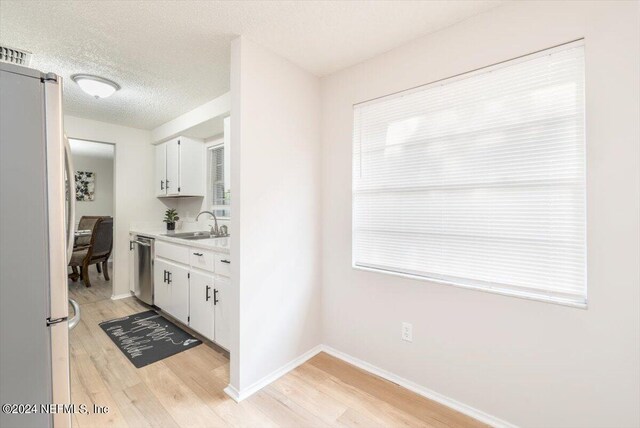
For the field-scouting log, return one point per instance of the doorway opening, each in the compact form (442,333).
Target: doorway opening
(91,267)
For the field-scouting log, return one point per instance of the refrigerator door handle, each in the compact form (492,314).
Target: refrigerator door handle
(71,206)
(73,322)
(56,200)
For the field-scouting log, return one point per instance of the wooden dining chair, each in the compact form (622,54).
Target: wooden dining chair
(96,252)
(87,222)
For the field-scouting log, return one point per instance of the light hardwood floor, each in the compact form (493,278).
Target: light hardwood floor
(186,390)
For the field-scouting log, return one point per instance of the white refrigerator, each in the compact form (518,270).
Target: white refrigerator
(36,240)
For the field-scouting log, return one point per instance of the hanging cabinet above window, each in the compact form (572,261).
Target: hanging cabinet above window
(180,168)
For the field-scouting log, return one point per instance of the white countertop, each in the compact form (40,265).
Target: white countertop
(220,245)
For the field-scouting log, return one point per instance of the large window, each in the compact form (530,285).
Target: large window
(478,180)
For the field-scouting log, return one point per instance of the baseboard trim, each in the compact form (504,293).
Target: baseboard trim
(419,389)
(271,377)
(121,296)
(233,393)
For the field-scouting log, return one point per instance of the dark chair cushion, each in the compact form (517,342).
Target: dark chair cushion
(86,223)
(100,243)
(77,257)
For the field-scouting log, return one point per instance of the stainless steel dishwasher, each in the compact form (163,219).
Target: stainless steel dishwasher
(143,253)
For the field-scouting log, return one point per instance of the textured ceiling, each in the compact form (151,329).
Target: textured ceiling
(170,57)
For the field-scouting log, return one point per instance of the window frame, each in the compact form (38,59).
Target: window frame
(212,145)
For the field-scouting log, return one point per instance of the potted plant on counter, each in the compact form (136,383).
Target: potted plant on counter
(170,217)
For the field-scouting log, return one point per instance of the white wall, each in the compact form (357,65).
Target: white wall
(134,196)
(275,177)
(216,107)
(527,362)
(103,195)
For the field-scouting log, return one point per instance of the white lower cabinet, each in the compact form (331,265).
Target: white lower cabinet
(160,287)
(195,293)
(201,301)
(209,307)
(222,323)
(171,289)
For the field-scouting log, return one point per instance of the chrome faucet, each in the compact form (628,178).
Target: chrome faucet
(214,229)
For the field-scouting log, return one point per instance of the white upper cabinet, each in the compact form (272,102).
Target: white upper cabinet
(172,169)
(161,167)
(180,168)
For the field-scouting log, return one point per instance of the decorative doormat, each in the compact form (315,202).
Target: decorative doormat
(148,337)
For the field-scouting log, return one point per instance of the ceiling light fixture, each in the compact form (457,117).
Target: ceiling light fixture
(95,86)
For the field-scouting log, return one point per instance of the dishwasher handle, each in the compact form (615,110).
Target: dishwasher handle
(144,244)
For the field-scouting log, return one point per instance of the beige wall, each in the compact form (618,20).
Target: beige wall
(103,195)
(275,239)
(134,197)
(529,363)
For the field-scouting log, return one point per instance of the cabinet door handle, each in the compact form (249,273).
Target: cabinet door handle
(166,183)
(207,296)
(197,254)
(165,276)
(169,275)
(215,297)
(161,184)
(225,261)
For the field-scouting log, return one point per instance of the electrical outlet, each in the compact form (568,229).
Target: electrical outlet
(407,332)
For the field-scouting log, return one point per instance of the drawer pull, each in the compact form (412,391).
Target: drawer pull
(225,261)
(198,254)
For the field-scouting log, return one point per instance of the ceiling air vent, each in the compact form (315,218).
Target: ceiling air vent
(15,56)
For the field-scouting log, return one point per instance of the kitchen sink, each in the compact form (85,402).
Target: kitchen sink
(192,235)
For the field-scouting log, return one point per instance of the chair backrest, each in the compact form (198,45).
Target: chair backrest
(102,237)
(87,222)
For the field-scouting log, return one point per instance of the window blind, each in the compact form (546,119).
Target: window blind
(478,180)
(215,181)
